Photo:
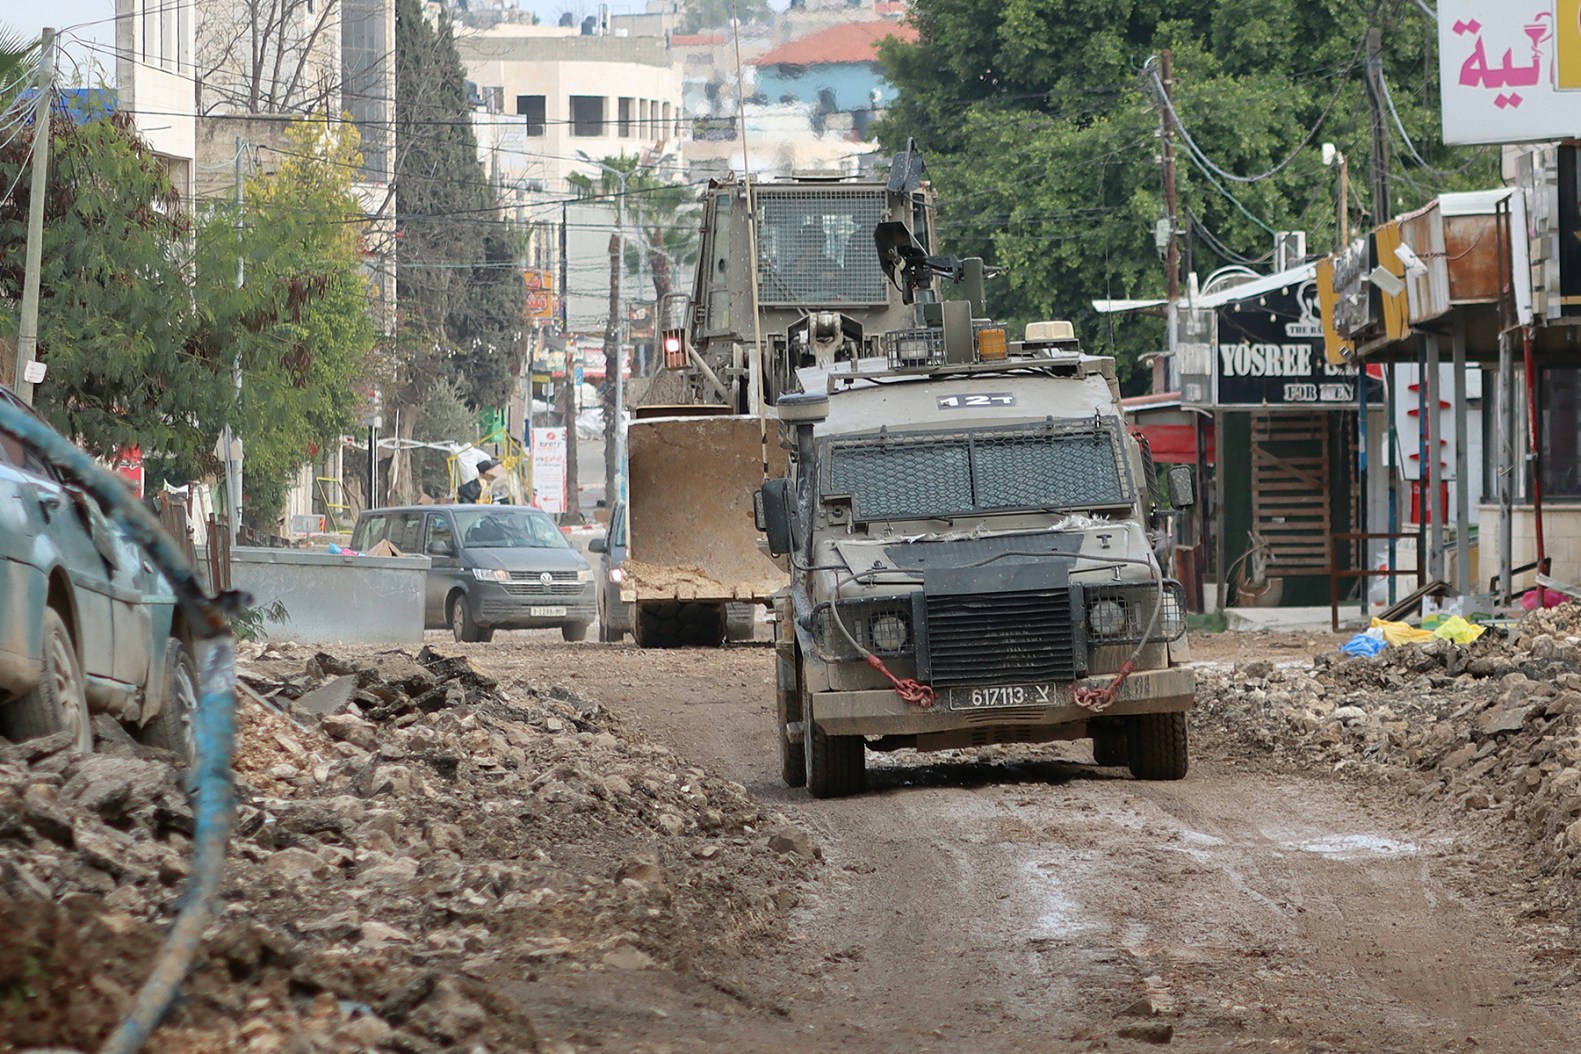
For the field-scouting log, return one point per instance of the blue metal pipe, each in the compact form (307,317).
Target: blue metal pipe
(213,724)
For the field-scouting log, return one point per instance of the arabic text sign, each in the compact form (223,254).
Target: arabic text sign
(1510,69)
(548,469)
(540,294)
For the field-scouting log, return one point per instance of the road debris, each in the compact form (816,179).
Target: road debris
(414,843)
(1492,727)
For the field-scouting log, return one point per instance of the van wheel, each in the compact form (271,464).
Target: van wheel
(740,621)
(1158,746)
(462,626)
(171,728)
(59,703)
(836,765)
(573,631)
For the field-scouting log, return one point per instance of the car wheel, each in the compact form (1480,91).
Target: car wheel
(836,765)
(171,728)
(463,627)
(793,757)
(573,631)
(741,621)
(59,703)
(1158,746)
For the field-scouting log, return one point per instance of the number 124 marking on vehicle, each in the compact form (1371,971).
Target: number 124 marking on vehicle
(976,400)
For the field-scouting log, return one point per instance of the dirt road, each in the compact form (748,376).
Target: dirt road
(1026,900)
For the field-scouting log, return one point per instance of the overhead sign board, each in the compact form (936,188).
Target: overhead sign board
(1268,353)
(540,295)
(1510,70)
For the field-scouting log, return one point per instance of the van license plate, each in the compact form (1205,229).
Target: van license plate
(1004,695)
(546,612)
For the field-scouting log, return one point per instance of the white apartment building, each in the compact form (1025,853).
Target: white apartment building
(573,94)
(155,81)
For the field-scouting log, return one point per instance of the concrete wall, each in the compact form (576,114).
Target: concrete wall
(333,598)
(1561,538)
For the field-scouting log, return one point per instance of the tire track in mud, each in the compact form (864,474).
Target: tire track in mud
(1025,900)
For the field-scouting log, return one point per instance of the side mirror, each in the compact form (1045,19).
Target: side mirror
(1182,487)
(440,547)
(771,507)
(598,545)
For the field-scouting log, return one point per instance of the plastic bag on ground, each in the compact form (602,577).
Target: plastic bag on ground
(1362,644)
(1398,633)
(1458,630)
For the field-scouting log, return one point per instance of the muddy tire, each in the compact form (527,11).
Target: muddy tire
(673,624)
(789,709)
(573,631)
(171,728)
(607,635)
(462,626)
(59,703)
(741,621)
(836,765)
(1110,747)
(1158,746)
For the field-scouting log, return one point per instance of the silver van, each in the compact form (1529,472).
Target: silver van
(493,567)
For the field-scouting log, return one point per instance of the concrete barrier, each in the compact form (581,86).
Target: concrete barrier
(331,598)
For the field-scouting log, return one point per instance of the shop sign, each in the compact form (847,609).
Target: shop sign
(1510,70)
(1268,352)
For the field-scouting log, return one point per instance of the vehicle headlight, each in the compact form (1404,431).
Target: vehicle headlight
(888,633)
(616,574)
(584,574)
(1172,616)
(489,574)
(1107,618)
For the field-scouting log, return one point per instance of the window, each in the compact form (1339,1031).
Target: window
(439,532)
(624,109)
(373,530)
(532,108)
(1559,389)
(587,116)
(406,529)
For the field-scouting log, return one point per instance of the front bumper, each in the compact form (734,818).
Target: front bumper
(880,712)
(493,605)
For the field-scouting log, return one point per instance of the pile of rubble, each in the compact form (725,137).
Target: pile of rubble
(415,845)
(1493,728)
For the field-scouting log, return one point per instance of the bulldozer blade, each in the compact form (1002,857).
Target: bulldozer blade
(691,533)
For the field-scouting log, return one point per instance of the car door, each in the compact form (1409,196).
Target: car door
(68,517)
(439,543)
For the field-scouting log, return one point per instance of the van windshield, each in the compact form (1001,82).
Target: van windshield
(502,528)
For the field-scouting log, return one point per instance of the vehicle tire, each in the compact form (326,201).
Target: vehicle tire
(462,626)
(674,624)
(836,765)
(1158,746)
(171,728)
(741,621)
(788,708)
(1110,743)
(59,703)
(607,635)
(573,631)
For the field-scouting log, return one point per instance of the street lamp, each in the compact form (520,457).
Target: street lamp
(1332,154)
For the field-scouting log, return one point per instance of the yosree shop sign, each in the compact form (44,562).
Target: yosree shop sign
(1266,351)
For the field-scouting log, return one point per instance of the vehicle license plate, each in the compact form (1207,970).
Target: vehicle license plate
(546,612)
(1004,695)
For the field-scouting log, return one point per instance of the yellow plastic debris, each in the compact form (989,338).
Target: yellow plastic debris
(1398,633)
(1459,630)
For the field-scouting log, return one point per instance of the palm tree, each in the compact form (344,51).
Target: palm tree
(657,218)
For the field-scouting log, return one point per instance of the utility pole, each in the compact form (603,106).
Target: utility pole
(228,440)
(1172,250)
(1380,132)
(27,333)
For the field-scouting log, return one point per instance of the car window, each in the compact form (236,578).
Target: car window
(406,531)
(508,528)
(617,526)
(23,457)
(439,531)
(371,531)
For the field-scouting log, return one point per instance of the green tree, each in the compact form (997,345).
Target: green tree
(1040,119)
(115,307)
(460,287)
(299,326)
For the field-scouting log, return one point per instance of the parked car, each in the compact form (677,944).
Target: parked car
(86,624)
(615,615)
(492,567)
